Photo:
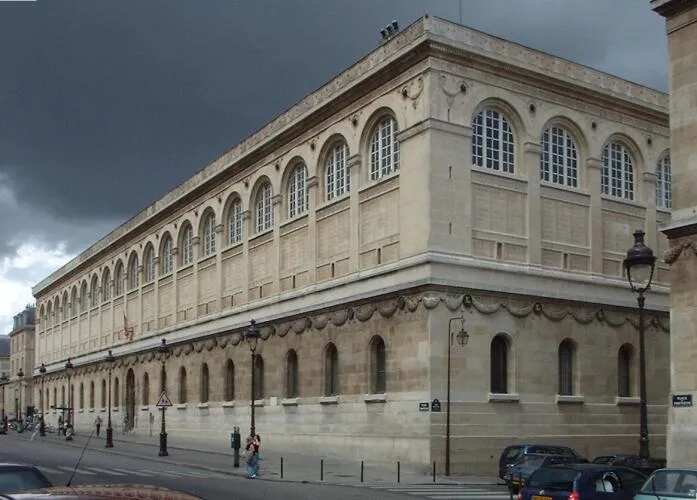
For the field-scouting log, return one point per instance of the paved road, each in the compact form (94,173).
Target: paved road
(449,491)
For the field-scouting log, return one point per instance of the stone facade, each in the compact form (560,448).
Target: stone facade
(681,24)
(22,340)
(447,174)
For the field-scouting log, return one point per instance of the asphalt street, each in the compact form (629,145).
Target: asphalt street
(99,466)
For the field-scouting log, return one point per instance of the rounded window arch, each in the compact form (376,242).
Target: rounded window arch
(337,177)
(118,278)
(133,277)
(559,157)
(106,285)
(263,208)
(149,270)
(94,290)
(234,224)
(493,139)
(378,365)
(74,301)
(186,244)
(500,364)
(166,253)
(84,296)
(383,146)
(664,182)
(229,380)
(625,368)
(297,188)
(205,384)
(292,380)
(182,385)
(65,309)
(207,233)
(618,173)
(568,375)
(145,396)
(331,370)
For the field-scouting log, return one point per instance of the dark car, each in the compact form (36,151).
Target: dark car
(582,481)
(633,461)
(15,478)
(511,454)
(519,472)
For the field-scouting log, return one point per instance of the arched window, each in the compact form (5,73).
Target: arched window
(298,196)
(133,275)
(146,389)
(205,381)
(331,370)
(166,255)
(149,264)
(117,400)
(94,291)
(384,149)
(264,210)
(55,397)
(187,246)
(82,396)
(292,374)
(118,279)
(106,285)
(618,171)
(258,377)
(624,367)
(84,297)
(74,302)
(235,222)
(103,393)
(664,183)
(493,144)
(47,400)
(209,235)
(229,380)
(566,367)
(378,366)
(163,379)
(66,306)
(182,385)
(499,365)
(336,173)
(559,159)
(92,394)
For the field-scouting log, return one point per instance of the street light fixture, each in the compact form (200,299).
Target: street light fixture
(3,381)
(252,336)
(42,425)
(69,425)
(640,265)
(461,337)
(20,374)
(163,353)
(110,359)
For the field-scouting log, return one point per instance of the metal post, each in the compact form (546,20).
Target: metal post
(69,436)
(109,428)
(447,411)
(252,431)
(42,423)
(163,434)
(643,417)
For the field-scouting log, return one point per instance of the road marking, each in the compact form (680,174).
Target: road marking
(78,471)
(134,472)
(106,471)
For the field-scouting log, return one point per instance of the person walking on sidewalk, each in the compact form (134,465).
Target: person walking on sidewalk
(252,459)
(98,424)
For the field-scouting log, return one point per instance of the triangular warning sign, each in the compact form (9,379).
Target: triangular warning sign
(164,400)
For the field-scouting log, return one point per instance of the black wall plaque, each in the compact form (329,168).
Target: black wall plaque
(682,400)
(424,406)
(435,405)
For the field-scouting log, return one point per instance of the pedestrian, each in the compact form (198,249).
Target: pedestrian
(252,459)
(257,444)
(98,424)
(61,430)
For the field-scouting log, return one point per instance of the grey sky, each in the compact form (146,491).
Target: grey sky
(105,106)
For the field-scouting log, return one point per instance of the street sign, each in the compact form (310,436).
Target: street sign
(164,401)
(435,405)
(424,406)
(682,400)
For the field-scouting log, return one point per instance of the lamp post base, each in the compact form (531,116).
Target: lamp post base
(42,429)
(163,445)
(109,437)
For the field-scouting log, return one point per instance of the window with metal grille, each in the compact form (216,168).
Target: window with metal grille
(493,144)
(258,377)
(145,395)
(378,379)
(292,374)
(559,159)
(624,366)
(205,384)
(229,380)
(182,385)
(566,368)
(499,365)
(331,371)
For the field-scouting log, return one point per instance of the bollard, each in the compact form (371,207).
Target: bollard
(434,472)
(281,467)
(361,471)
(321,470)
(399,472)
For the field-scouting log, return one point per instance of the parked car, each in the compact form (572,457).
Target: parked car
(633,461)
(513,453)
(669,484)
(582,481)
(519,472)
(15,478)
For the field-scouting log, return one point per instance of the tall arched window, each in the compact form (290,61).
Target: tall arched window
(74,302)
(378,366)
(298,196)
(187,246)
(94,291)
(331,370)
(209,235)
(264,210)
(84,297)
(133,274)
(205,383)
(166,255)
(106,285)
(336,172)
(146,389)
(163,379)
(55,397)
(118,279)
(82,395)
(618,171)
(66,306)
(258,377)
(149,264)
(559,159)
(664,183)
(92,394)
(384,149)
(493,144)
(182,385)
(235,222)
(292,374)
(117,392)
(624,367)
(566,367)
(499,365)
(229,380)
(103,398)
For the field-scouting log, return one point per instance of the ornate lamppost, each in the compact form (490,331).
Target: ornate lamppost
(20,374)
(3,381)
(69,425)
(252,335)
(163,353)
(110,359)
(42,425)
(639,265)
(461,337)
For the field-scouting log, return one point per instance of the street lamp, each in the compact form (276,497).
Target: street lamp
(20,374)
(640,265)
(163,353)
(42,426)
(252,336)
(109,429)
(461,337)
(69,426)
(3,381)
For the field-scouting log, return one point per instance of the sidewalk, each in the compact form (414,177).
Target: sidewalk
(286,466)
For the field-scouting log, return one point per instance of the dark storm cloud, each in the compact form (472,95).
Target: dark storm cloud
(105,106)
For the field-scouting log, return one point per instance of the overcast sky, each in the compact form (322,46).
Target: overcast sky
(107,105)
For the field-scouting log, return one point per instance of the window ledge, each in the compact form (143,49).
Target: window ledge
(258,402)
(81,410)
(115,409)
(144,408)
(375,398)
(202,405)
(627,400)
(289,402)
(570,399)
(102,410)
(499,397)
(181,406)
(228,404)
(91,410)
(329,400)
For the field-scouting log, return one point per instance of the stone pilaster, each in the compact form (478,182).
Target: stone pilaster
(156,295)
(196,249)
(313,199)
(277,206)
(354,166)
(594,169)
(531,166)
(246,231)
(219,243)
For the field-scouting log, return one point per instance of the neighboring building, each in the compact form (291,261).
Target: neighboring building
(22,340)
(4,372)
(447,173)
(681,25)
